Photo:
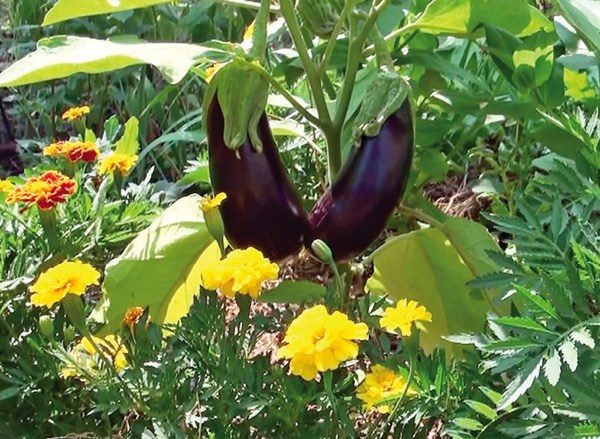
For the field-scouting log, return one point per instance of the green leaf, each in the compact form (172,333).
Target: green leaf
(294,292)
(533,61)
(552,368)
(521,383)
(128,143)
(68,9)
(568,351)
(538,301)
(434,268)
(468,424)
(482,409)
(522,323)
(61,56)
(463,17)
(510,344)
(585,16)
(160,268)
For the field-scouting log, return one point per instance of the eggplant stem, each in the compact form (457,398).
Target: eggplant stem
(348,6)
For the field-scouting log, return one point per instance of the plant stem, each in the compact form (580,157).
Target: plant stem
(289,14)
(421,216)
(50,227)
(348,6)
(245,4)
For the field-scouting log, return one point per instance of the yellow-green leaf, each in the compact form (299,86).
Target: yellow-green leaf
(128,143)
(160,268)
(68,9)
(578,85)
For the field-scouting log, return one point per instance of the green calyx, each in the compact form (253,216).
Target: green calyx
(386,94)
(320,16)
(242,93)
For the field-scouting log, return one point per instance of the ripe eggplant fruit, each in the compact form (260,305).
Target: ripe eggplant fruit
(262,209)
(354,211)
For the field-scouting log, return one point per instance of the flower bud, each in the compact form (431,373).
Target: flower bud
(46,327)
(322,251)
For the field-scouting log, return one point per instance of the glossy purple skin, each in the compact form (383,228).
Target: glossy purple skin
(262,209)
(355,210)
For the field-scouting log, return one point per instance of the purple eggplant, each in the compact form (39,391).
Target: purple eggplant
(355,210)
(262,209)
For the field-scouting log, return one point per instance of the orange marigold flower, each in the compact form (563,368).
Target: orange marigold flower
(76,113)
(132,316)
(117,161)
(46,191)
(73,151)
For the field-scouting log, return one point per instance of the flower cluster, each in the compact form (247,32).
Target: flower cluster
(86,358)
(403,315)
(380,385)
(76,113)
(73,151)
(69,277)
(117,161)
(242,272)
(317,341)
(47,190)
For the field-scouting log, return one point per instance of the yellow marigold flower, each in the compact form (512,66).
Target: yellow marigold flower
(317,341)
(47,190)
(132,316)
(381,384)
(212,71)
(249,31)
(403,315)
(242,272)
(69,277)
(86,357)
(5,186)
(73,151)
(209,203)
(117,161)
(76,113)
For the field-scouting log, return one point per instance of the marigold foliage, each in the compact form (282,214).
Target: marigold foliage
(210,203)
(317,341)
(46,191)
(241,272)
(73,151)
(87,359)
(76,113)
(403,315)
(118,161)
(69,277)
(379,385)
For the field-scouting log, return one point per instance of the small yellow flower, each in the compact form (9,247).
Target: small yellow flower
(86,357)
(209,203)
(249,31)
(69,277)
(75,113)
(403,315)
(212,71)
(5,186)
(317,341)
(132,316)
(242,272)
(379,385)
(117,161)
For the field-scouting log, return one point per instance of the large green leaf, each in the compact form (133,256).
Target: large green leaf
(160,268)
(434,266)
(585,16)
(463,17)
(62,56)
(68,9)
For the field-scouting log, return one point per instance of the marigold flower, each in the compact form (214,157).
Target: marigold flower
(317,341)
(73,151)
(76,113)
(86,357)
(6,186)
(117,161)
(381,384)
(132,316)
(68,277)
(47,190)
(242,271)
(209,203)
(403,315)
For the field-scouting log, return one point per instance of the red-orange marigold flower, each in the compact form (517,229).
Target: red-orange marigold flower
(46,191)
(73,151)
